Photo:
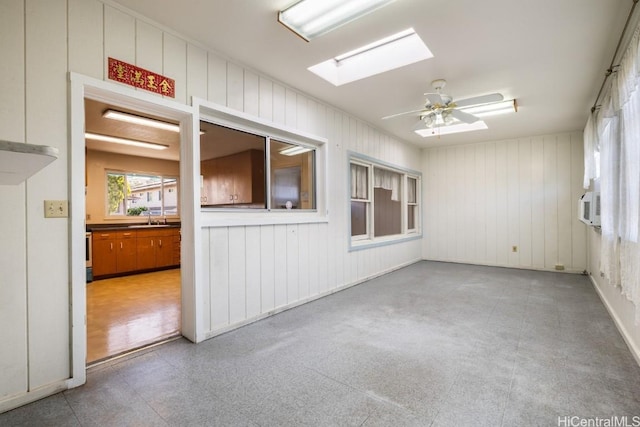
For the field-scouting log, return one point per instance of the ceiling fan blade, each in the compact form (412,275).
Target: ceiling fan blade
(434,98)
(402,114)
(464,117)
(477,100)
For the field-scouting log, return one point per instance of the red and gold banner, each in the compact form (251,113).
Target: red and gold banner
(141,78)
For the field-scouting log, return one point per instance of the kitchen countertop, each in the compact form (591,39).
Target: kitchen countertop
(141,226)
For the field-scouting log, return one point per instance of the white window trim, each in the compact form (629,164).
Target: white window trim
(417,203)
(224,116)
(369,241)
(368,201)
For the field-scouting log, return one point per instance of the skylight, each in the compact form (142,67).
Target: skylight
(444,130)
(389,53)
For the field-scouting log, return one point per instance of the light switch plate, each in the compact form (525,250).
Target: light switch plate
(56,209)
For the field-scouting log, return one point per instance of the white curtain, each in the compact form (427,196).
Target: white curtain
(388,180)
(613,135)
(359,181)
(609,165)
(591,150)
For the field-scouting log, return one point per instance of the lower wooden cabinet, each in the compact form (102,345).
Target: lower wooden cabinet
(177,238)
(122,252)
(126,259)
(155,248)
(104,253)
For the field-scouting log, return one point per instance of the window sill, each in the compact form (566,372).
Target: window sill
(234,218)
(356,245)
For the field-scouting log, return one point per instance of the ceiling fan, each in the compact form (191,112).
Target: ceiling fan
(440,109)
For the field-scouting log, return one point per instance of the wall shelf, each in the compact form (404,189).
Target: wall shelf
(19,161)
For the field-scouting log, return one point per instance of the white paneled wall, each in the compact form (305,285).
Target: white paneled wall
(254,270)
(13,251)
(248,272)
(483,200)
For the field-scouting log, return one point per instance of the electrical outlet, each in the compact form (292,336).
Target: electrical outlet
(514,249)
(56,209)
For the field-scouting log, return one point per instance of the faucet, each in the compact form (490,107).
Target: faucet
(149,217)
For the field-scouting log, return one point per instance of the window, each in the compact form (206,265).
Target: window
(384,202)
(412,203)
(387,202)
(292,176)
(360,202)
(131,194)
(243,170)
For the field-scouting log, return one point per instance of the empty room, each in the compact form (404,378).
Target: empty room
(320,212)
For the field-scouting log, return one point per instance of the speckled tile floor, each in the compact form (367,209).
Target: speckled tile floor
(433,344)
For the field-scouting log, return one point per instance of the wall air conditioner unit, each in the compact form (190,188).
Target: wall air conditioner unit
(589,208)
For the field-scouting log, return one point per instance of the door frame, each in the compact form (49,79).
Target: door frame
(82,87)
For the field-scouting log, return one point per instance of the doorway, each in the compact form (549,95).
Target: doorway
(84,87)
(132,164)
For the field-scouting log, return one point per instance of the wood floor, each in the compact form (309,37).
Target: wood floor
(126,313)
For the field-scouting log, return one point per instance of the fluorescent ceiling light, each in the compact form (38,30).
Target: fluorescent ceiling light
(313,18)
(386,54)
(444,130)
(138,120)
(123,141)
(493,109)
(293,151)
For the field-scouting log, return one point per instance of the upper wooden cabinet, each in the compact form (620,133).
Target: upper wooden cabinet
(237,179)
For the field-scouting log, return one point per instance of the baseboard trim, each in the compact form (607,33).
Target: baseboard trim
(229,328)
(633,347)
(517,267)
(15,401)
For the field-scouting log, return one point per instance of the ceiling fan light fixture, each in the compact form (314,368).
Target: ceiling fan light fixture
(312,18)
(139,120)
(429,120)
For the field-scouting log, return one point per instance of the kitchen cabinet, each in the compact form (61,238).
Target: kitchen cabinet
(104,253)
(232,180)
(113,252)
(126,251)
(177,239)
(155,248)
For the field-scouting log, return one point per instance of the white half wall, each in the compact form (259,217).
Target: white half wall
(506,203)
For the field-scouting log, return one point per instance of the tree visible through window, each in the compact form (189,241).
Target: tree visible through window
(131,194)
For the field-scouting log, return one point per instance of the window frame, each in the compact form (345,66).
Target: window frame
(370,240)
(416,203)
(368,201)
(148,193)
(223,116)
